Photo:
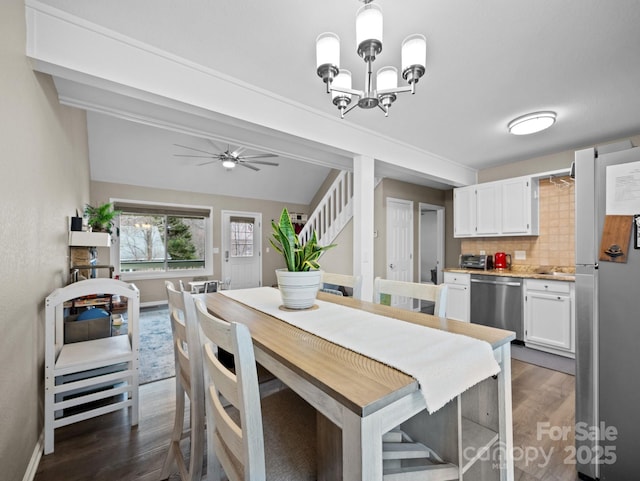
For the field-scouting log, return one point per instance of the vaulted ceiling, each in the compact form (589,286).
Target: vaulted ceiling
(487,63)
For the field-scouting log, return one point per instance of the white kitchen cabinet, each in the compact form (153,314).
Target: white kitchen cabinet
(519,211)
(488,214)
(502,208)
(458,295)
(549,316)
(464,211)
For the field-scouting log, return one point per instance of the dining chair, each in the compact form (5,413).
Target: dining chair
(425,292)
(250,439)
(343,280)
(189,384)
(97,375)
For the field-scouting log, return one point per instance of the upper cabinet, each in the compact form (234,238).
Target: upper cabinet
(502,208)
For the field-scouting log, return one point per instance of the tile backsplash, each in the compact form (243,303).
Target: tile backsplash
(555,245)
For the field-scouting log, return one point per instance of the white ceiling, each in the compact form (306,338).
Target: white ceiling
(487,62)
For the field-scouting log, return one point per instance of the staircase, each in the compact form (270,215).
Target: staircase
(333,212)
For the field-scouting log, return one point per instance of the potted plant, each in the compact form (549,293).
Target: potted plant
(100,218)
(300,280)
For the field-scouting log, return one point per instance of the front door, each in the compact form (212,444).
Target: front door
(241,249)
(400,246)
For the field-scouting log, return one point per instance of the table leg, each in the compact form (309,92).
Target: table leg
(361,447)
(505,413)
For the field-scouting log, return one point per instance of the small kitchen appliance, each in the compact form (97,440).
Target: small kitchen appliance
(502,260)
(472,261)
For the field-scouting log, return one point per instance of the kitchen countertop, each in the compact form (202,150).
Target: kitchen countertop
(555,273)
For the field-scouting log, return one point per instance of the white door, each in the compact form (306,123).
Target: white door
(400,246)
(241,249)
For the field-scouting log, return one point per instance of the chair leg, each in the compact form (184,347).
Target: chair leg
(48,422)
(176,434)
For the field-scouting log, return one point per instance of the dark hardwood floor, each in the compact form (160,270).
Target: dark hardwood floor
(107,448)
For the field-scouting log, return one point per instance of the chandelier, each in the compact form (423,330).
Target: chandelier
(369,39)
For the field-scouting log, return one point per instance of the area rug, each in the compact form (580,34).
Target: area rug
(156,344)
(544,359)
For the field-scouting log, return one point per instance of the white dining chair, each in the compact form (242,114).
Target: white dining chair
(251,439)
(343,280)
(425,292)
(189,385)
(79,374)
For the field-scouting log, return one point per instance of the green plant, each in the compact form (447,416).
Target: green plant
(100,218)
(297,256)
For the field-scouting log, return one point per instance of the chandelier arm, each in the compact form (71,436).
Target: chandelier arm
(397,90)
(344,90)
(385,109)
(344,112)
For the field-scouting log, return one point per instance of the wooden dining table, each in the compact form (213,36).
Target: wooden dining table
(358,399)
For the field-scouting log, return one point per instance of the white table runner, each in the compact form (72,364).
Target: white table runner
(444,364)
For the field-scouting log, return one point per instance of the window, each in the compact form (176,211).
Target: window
(155,240)
(241,237)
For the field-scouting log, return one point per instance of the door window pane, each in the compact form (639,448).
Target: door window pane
(241,237)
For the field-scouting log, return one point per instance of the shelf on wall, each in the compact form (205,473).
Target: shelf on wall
(89,239)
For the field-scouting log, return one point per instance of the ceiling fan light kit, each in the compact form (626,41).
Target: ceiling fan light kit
(532,123)
(369,39)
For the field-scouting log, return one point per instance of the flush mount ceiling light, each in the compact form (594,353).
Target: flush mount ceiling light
(532,123)
(369,39)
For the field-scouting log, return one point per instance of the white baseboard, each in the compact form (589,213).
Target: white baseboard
(153,303)
(32,468)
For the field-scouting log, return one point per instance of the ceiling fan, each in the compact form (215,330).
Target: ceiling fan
(229,158)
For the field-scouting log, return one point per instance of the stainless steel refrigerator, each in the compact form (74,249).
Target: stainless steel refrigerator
(607,320)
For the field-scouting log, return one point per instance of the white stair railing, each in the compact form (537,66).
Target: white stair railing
(333,212)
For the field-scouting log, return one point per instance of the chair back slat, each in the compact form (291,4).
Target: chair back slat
(425,292)
(345,280)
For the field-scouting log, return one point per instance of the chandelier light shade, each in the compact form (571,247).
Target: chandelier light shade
(369,31)
(369,24)
(414,57)
(532,123)
(387,78)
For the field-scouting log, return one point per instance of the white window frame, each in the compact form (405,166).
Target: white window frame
(208,255)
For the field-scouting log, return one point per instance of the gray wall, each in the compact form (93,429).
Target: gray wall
(45,178)
(152,291)
(399,190)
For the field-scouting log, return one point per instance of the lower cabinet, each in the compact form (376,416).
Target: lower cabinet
(549,316)
(458,295)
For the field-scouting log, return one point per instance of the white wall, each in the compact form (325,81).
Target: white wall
(45,178)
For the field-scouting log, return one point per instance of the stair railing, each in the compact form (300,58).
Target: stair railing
(333,212)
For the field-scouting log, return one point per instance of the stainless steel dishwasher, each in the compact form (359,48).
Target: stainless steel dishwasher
(496,301)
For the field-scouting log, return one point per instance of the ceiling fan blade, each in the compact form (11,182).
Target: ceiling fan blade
(257,156)
(197,156)
(205,163)
(197,150)
(261,162)
(244,164)
(238,151)
(219,147)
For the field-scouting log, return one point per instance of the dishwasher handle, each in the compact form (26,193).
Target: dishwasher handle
(498,283)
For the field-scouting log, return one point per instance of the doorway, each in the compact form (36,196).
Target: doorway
(241,249)
(400,246)
(431,243)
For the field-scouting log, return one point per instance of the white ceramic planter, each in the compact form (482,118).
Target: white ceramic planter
(298,289)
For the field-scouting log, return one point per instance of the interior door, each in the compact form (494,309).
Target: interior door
(241,249)
(400,246)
